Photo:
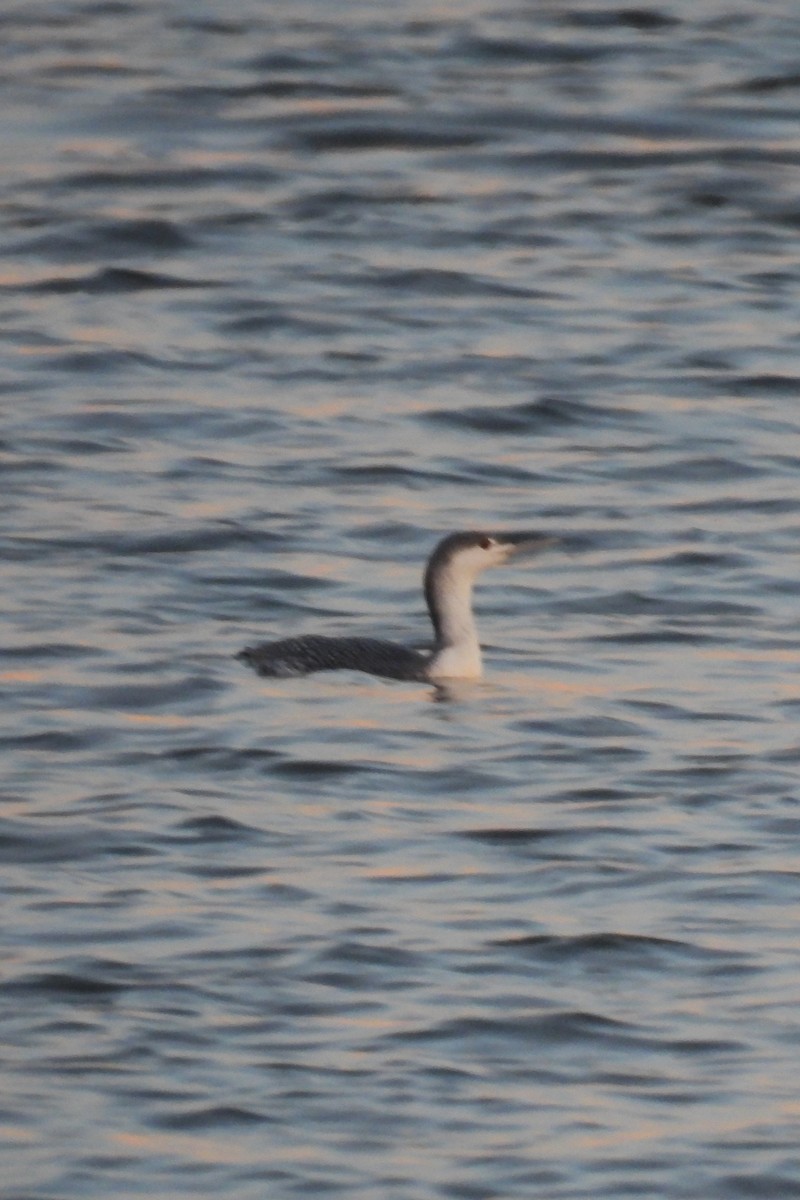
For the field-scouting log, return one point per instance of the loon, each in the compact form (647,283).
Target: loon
(449,575)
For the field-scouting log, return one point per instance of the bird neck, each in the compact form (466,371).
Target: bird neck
(457,652)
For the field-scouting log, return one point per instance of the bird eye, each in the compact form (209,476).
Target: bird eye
(485,543)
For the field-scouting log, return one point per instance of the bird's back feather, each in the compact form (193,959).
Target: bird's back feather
(304,655)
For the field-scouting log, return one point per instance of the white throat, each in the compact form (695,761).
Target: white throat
(457,654)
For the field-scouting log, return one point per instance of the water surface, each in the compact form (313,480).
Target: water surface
(288,292)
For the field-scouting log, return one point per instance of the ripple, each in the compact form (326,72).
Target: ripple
(546,1029)
(55,741)
(134,697)
(618,950)
(112,280)
(48,651)
(27,842)
(533,417)
(68,987)
(313,769)
(767,384)
(645,20)
(329,135)
(217,829)
(113,237)
(212,1117)
(197,539)
(168,176)
(585,727)
(513,836)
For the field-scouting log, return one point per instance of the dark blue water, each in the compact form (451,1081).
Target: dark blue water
(288,291)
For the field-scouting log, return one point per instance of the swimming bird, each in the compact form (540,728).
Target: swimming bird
(450,574)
